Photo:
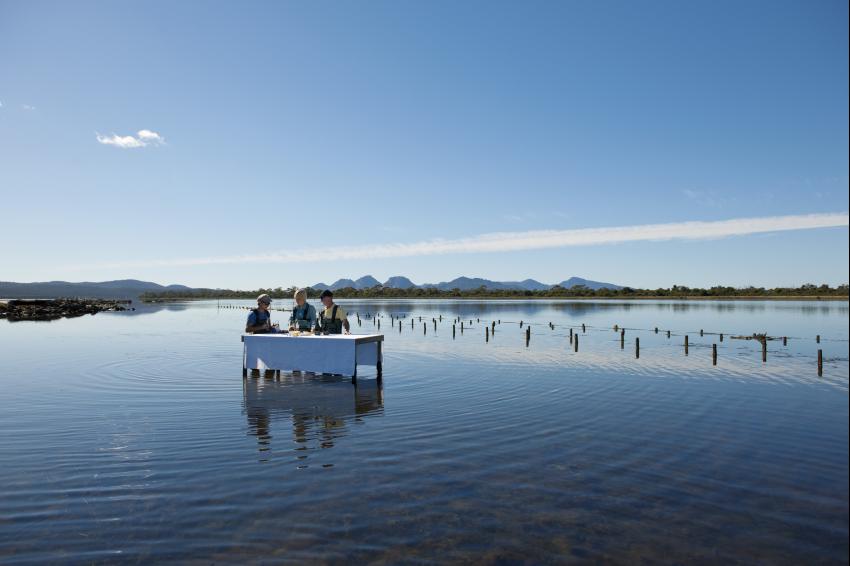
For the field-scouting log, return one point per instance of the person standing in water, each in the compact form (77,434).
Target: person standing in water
(333,319)
(303,313)
(260,319)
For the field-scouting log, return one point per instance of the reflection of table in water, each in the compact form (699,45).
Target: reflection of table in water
(334,354)
(318,407)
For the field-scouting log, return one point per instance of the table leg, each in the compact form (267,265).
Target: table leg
(380,363)
(244,358)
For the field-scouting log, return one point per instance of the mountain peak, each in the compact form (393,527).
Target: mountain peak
(576,281)
(399,282)
(463,283)
(366,282)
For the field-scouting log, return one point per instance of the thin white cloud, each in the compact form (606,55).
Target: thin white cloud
(521,241)
(143,138)
(150,137)
(126,142)
(27,106)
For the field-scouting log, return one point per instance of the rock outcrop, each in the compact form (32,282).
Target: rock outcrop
(52,309)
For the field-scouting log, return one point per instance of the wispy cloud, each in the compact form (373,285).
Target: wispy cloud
(148,136)
(520,241)
(143,138)
(27,106)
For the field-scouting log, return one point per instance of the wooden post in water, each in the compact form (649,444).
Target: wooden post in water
(441,318)
(486,333)
(575,343)
(622,339)
(454,330)
(686,344)
(764,349)
(721,337)
(583,329)
(817,339)
(520,324)
(424,328)
(461,327)
(714,354)
(784,340)
(435,325)
(379,325)
(637,347)
(656,330)
(668,334)
(616,327)
(820,363)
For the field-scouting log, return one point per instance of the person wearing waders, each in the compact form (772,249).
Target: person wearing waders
(260,319)
(303,313)
(333,320)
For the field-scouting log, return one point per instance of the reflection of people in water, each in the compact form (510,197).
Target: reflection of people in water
(317,407)
(258,424)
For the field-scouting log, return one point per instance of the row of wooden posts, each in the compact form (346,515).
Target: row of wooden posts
(490,330)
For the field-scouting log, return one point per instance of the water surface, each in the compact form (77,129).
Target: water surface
(133,437)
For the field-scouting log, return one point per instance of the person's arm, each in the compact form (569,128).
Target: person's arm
(254,328)
(314,319)
(252,325)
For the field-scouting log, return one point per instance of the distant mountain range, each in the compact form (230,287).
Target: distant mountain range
(130,288)
(463,283)
(122,289)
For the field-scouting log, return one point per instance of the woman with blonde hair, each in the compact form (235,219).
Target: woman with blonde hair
(303,313)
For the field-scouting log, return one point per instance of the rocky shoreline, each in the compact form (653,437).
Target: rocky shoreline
(15,310)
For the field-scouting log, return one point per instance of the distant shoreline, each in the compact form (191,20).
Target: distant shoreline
(492,298)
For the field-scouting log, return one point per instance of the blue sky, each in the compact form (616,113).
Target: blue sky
(289,143)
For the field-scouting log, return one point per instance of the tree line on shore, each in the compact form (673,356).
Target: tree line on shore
(579,291)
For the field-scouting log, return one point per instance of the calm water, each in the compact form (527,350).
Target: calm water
(133,437)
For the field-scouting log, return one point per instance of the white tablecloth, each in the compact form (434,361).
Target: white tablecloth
(339,353)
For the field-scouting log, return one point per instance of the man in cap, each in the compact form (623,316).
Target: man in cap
(333,319)
(260,319)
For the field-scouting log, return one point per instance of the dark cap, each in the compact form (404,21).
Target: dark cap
(326,293)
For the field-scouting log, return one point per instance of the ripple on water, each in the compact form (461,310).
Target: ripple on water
(147,445)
